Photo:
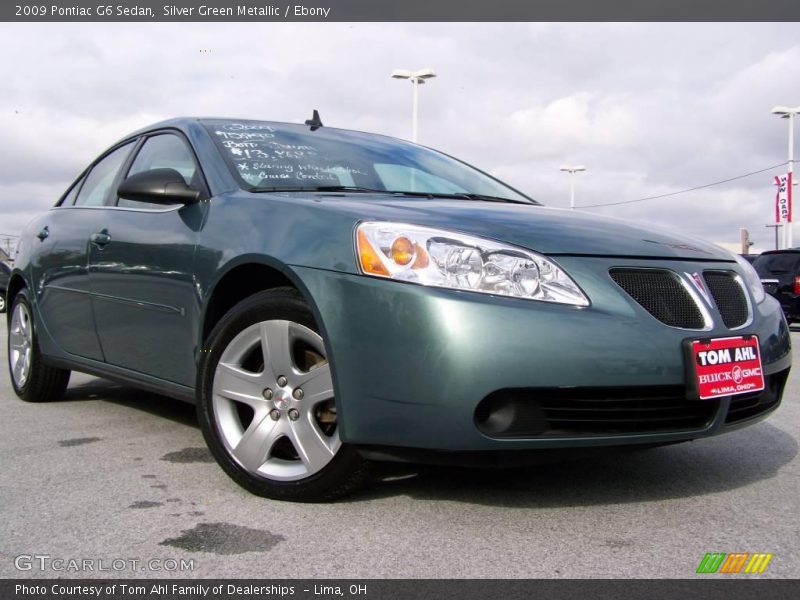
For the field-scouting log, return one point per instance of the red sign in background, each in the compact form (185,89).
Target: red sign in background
(727,366)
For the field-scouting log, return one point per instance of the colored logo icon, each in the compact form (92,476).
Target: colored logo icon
(736,562)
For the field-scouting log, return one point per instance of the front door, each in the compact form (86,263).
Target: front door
(146,304)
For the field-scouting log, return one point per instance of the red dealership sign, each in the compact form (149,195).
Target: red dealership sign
(783,198)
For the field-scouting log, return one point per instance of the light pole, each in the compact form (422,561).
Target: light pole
(788,113)
(572,170)
(417,78)
(776,227)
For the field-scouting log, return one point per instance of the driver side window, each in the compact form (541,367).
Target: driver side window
(163,151)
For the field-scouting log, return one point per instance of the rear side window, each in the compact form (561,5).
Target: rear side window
(97,185)
(768,264)
(69,199)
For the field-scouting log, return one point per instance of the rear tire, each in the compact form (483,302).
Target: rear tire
(33,380)
(265,403)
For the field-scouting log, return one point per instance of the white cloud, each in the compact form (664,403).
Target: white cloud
(649,108)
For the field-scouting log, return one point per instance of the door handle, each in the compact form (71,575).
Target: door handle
(42,235)
(100,239)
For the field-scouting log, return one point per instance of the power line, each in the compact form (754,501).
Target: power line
(7,238)
(699,187)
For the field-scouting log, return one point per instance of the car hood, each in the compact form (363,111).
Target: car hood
(546,230)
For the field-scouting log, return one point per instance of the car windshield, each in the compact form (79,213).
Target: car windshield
(286,157)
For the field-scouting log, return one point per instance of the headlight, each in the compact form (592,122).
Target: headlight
(752,280)
(455,260)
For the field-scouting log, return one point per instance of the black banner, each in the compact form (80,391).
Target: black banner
(395,589)
(400,10)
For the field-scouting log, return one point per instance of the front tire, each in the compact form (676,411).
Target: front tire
(33,380)
(266,403)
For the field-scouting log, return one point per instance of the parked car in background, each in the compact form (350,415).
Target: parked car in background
(5,274)
(750,257)
(779,271)
(328,298)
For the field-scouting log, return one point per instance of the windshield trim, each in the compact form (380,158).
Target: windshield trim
(345,189)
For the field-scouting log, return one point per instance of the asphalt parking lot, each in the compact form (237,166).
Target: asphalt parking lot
(111,473)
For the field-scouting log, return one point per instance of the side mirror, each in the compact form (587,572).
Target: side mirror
(158,186)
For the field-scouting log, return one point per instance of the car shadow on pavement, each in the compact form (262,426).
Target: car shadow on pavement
(593,476)
(155,404)
(603,476)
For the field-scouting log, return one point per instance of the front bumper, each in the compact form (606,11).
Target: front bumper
(412,363)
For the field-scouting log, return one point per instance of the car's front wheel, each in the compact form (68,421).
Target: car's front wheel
(266,402)
(33,380)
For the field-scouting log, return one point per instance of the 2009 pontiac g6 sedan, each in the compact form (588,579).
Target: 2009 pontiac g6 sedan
(329,298)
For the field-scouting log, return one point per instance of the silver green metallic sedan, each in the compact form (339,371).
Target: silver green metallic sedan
(329,298)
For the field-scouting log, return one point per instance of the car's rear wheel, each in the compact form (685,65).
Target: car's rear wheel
(2,301)
(33,380)
(266,402)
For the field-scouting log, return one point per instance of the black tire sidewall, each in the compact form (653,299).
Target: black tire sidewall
(276,304)
(45,383)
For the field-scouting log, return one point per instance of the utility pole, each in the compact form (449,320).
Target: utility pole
(6,239)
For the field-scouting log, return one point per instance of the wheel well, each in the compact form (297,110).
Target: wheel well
(236,285)
(15,284)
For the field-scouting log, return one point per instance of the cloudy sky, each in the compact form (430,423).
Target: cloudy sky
(649,108)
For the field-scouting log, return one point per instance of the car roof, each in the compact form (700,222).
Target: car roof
(186,123)
(784,251)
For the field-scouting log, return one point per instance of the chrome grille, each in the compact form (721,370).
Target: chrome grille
(662,294)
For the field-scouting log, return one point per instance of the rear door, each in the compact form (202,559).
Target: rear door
(60,266)
(146,304)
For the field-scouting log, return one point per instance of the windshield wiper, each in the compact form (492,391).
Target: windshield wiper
(322,188)
(485,198)
(460,196)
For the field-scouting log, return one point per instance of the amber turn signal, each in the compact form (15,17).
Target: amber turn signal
(403,251)
(370,261)
(421,261)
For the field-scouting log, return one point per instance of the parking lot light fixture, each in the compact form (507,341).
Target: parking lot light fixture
(417,78)
(788,113)
(572,169)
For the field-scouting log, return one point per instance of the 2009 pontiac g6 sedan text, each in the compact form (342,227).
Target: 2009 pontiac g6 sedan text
(329,298)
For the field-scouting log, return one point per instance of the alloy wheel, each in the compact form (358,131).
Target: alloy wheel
(20,345)
(272,397)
